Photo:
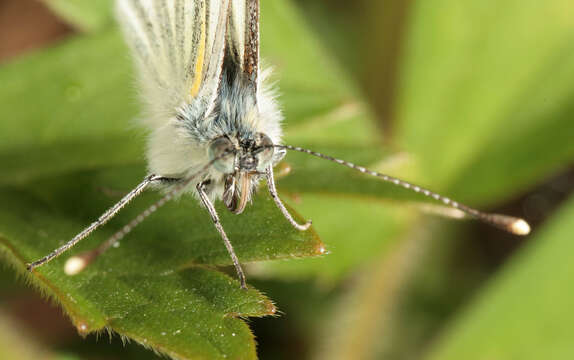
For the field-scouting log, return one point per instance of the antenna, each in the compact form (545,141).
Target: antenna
(507,223)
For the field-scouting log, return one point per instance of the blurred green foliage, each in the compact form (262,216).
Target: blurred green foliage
(475,101)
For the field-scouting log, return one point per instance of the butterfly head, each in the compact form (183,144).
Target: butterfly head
(242,162)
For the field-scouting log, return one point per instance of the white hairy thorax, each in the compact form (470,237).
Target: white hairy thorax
(178,148)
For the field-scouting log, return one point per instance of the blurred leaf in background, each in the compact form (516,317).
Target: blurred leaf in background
(472,99)
(481,100)
(87,16)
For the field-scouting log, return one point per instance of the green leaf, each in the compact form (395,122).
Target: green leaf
(72,102)
(88,16)
(358,232)
(157,288)
(311,83)
(526,312)
(485,94)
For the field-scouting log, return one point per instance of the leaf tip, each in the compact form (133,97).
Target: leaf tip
(83,329)
(270,308)
(320,249)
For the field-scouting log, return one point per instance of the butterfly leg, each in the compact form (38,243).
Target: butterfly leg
(205,200)
(279,203)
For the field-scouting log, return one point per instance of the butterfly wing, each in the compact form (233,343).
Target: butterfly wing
(178,47)
(243,38)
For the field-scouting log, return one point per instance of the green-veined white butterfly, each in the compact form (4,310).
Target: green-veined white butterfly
(215,126)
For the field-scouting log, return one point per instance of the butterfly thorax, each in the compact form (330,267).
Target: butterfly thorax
(241,121)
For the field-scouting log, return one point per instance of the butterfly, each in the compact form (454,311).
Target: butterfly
(213,118)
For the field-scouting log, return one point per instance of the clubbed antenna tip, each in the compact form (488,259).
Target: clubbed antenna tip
(76,264)
(520,227)
(513,225)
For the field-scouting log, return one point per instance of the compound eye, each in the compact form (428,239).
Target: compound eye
(219,147)
(265,156)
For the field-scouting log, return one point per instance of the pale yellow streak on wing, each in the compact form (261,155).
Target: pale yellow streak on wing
(196,84)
